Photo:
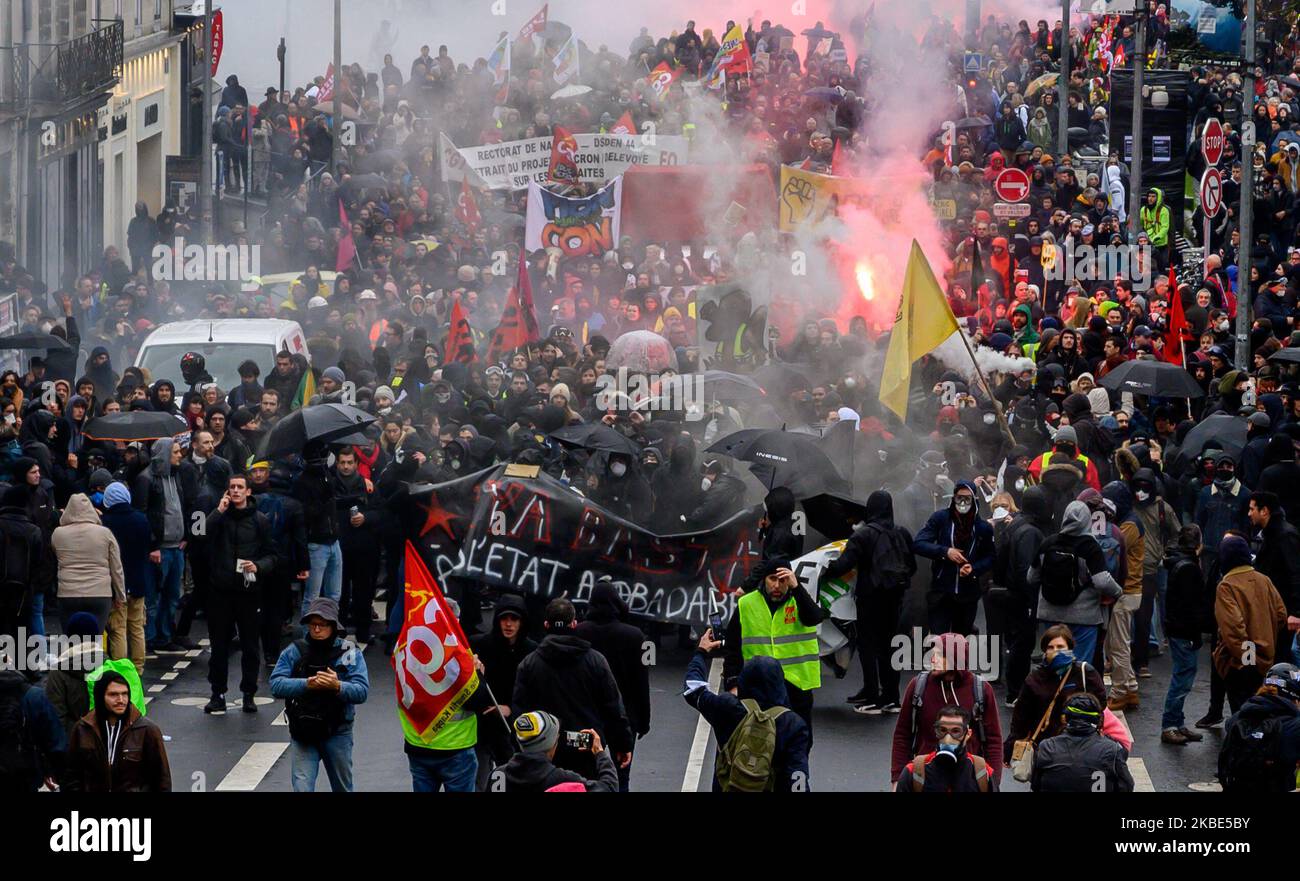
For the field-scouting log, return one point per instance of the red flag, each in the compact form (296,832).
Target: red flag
(432,658)
(625,125)
(327,90)
(347,248)
(534,25)
(518,325)
(467,208)
(1173,351)
(840,164)
(460,339)
(662,78)
(564,158)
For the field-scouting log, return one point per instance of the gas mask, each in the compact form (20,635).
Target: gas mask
(963,504)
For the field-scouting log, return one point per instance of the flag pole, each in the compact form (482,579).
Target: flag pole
(509,730)
(997,406)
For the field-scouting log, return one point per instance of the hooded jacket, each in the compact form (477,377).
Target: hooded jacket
(1131,529)
(1255,711)
(1160,521)
(623,646)
(1277,556)
(151,492)
(1155,219)
(762,681)
(501,658)
(1075,537)
(936,537)
(90,565)
(569,679)
(140,763)
(859,550)
(1071,761)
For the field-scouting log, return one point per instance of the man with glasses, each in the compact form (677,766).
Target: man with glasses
(950,767)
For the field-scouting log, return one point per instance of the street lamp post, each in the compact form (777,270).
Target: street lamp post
(338,86)
(1246,219)
(1063,81)
(1135,169)
(206,196)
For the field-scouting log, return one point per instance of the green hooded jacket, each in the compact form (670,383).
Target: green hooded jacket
(1026,336)
(1155,219)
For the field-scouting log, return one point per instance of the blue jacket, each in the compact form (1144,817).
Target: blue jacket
(1217,512)
(761,679)
(134,539)
(936,537)
(353,676)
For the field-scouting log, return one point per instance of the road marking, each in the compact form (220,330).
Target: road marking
(205,642)
(154,689)
(703,734)
(194,653)
(252,767)
(1206,786)
(282,719)
(1141,779)
(180,665)
(168,677)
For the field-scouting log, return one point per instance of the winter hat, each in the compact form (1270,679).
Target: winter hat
(99,477)
(335,374)
(1261,420)
(1067,435)
(385,392)
(326,608)
(537,732)
(1099,398)
(999,341)
(83,624)
(115,494)
(1233,552)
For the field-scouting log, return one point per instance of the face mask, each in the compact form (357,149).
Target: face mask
(705,484)
(1020,484)
(455,464)
(850,383)
(1225,482)
(442,398)
(1142,495)
(618,469)
(963,506)
(1061,661)
(1222,326)
(989,419)
(97,499)
(1000,513)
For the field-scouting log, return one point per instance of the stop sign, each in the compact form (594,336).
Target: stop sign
(1012,185)
(1212,142)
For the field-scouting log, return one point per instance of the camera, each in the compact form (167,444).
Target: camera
(579,740)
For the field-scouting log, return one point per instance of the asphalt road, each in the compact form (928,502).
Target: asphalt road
(851,753)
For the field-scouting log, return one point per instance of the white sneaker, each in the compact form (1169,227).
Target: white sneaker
(868,709)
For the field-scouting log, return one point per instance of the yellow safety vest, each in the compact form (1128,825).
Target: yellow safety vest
(779,635)
(459,732)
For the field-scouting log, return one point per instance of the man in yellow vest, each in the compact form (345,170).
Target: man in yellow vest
(778,621)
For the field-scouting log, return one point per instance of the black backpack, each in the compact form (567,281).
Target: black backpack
(891,565)
(1060,581)
(16,564)
(315,716)
(1250,759)
(17,762)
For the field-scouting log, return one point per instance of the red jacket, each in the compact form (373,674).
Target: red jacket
(939,694)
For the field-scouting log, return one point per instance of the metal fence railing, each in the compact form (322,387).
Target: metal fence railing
(40,73)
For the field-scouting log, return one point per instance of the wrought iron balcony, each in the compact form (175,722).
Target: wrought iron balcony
(48,77)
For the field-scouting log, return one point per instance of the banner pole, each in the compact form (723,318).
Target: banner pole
(509,730)
(997,407)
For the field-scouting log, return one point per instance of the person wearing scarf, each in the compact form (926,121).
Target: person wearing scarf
(960,543)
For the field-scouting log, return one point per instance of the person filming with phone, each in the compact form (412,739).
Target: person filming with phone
(533,769)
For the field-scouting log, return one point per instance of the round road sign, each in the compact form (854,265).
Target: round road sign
(1012,185)
(1211,192)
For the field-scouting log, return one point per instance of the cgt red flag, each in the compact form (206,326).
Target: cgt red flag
(1178,327)
(432,658)
(625,126)
(518,325)
(460,338)
(347,247)
(564,158)
(662,78)
(467,208)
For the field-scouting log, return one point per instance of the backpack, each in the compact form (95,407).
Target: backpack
(315,716)
(16,760)
(1112,552)
(745,762)
(981,772)
(891,565)
(1249,760)
(1060,583)
(976,712)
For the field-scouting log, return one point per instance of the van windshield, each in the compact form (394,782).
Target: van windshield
(223,360)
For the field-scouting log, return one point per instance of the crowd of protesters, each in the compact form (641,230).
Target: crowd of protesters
(1074,516)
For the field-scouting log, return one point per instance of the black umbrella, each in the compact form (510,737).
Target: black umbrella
(973,122)
(32,341)
(1158,378)
(323,424)
(789,459)
(833,514)
(597,437)
(1221,430)
(1288,356)
(781,379)
(720,385)
(737,440)
(137,425)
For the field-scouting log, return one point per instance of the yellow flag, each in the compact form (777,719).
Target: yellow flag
(924,321)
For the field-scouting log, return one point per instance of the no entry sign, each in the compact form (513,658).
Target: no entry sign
(1212,140)
(1211,192)
(1012,185)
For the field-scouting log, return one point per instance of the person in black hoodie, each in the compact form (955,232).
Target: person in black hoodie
(1272,715)
(624,647)
(879,601)
(533,768)
(761,681)
(315,491)
(1016,553)
(500,650)
(24,547)
(1281,475)
(359,519)
(777,537)
(569,679)
(1184,617)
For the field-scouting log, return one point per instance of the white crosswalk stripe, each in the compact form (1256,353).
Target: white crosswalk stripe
(252,767)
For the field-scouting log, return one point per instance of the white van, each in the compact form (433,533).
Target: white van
(224,345)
